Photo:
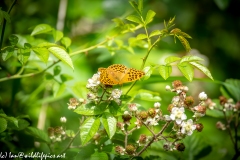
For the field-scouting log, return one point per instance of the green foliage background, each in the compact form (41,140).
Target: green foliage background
(214,26)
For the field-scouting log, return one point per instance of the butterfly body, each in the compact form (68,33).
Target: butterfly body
(119,74)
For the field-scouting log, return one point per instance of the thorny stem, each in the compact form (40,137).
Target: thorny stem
(153,139)
(70,142)
(229,129)
(104,91)
(4,24)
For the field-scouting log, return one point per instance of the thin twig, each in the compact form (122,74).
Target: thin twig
(69,144)
(153,139)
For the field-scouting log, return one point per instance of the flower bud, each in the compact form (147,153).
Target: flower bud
(220,125)
(50,131)
(200,109)
(132,107)
(143,115)
(119,150)
(199,127)
(120,125)
(63,119)
(176,84)
(142,139)
(151,112)
(126,117)
(130,149)
(157,105)
(237,106)
(189,101)
(168,88)
(202,96)
(170,106)
(222,100)
(180,147)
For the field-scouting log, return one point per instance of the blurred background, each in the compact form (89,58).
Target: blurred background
(213,24)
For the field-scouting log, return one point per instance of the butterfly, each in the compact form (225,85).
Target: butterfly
(119,74)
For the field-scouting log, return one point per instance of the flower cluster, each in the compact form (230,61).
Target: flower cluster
(182,126)
(56,133)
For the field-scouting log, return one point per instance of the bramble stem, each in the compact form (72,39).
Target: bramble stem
(144,61)
(153,139)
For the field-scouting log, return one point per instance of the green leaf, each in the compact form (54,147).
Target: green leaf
(170,22)
(65,77)
(141,36)
(135,6)
(7,53)
(10,119)
(171,59)
(48,76)
(148,96)
(56,70)
(60,90)
(88,129)
(140,6)
(42,54)
(232,87)
(155,33)
(57,35)
(66,41)
(27,45)
(109,122)
(23,55)
(38,134)
(85,152)
(118,21)
(184,43)
(62,55)
(13,40)
(149,17)
(3,124)
(178,32)
(148,72)
(165,71)
(22,124)
(187,70)
(190,59)
(70,133)
(99,156)
(135,19)
(91,109)
(40,29)
(202,68)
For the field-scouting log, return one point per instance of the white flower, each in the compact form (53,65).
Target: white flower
(198,115)
(202,96)
(157,105)
(178,114)
(175,100)
(116,93)
(151,122)
(71,107)
(63,119)
(168,88)
(167,118)
(81,100)
(188,127)
(132,107)
(94,81)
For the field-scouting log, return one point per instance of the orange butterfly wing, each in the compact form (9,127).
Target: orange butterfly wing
(119,74)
